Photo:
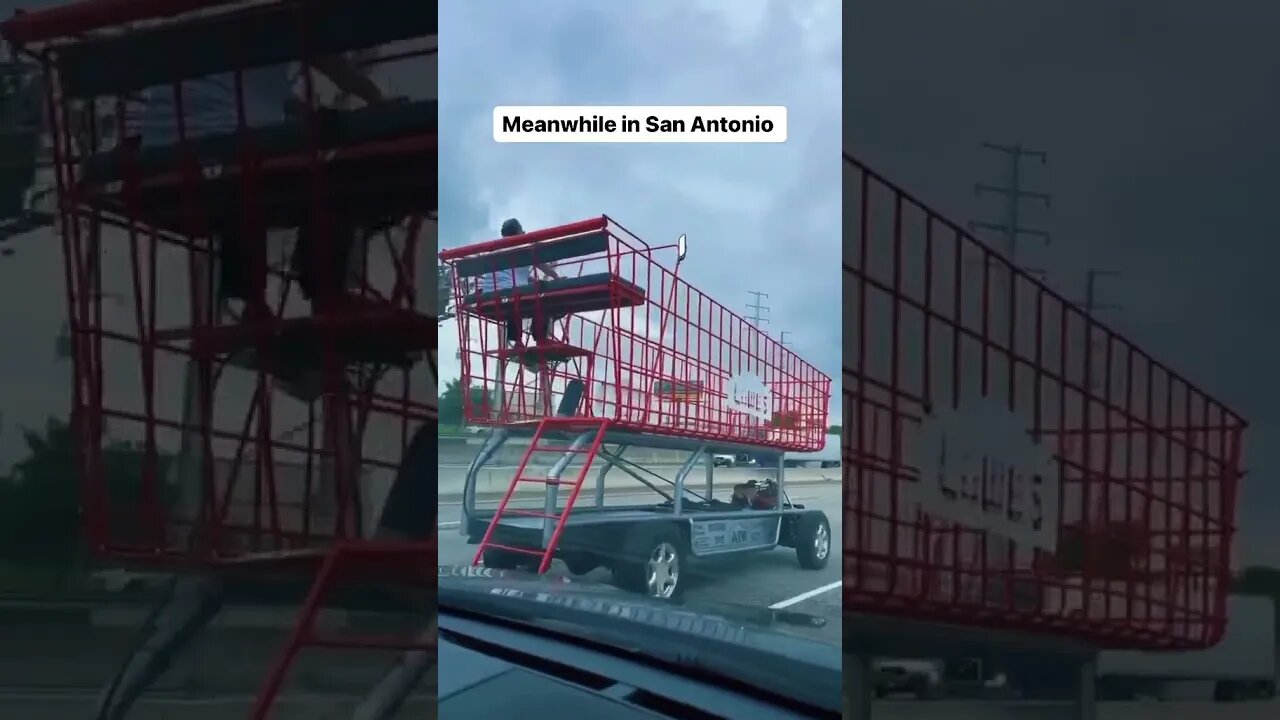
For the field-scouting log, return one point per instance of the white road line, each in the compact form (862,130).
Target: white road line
(447,525)
(805,596)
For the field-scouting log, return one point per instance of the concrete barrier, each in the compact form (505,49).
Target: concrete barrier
(460,451)
(493,481)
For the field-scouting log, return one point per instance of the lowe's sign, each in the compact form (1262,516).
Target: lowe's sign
(747,393)
(980,468)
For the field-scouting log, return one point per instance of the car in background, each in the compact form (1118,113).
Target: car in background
(921,679)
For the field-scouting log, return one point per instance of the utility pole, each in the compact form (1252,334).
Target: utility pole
(1091,304)
(1094,358)
(1091,307)
(782,339)
(756,308)
(1005,286)
(1011,229)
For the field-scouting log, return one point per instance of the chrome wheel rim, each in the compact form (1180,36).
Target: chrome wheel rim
(663,571)
(821,542)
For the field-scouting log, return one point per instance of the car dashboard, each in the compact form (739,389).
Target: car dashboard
(493,669)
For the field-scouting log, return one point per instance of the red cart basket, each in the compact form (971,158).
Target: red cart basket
(268,426)
(1011,462)
(605,343)
(628,341)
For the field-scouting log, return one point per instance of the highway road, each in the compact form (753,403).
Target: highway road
(768,579)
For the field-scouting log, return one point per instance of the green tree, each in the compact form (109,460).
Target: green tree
(41,519)
(452,411)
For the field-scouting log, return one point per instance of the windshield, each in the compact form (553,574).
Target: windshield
(649,412)
(722,642)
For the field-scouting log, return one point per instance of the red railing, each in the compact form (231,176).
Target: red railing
(646,349)
(1011,461)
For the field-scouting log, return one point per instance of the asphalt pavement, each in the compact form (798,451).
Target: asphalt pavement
(765,579)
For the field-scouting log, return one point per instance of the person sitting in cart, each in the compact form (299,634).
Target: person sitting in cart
(209,107)
(516,279)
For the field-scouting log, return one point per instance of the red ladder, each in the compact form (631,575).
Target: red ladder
(587,442)
(396,564)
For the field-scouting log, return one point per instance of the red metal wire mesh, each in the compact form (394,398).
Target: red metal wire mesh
(302,433)
(651,353)
(1011,462)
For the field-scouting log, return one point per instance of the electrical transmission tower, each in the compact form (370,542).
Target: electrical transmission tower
(1011,230)
(1091,306)
(1090,303)
(756,308)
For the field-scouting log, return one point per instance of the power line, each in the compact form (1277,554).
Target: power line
(756,317)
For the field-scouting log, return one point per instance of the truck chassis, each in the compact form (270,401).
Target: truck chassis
(648,547)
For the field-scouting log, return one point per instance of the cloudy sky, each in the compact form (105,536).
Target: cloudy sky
(1160,124)
(758,217)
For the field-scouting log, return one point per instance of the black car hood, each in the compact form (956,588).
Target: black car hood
(750,627)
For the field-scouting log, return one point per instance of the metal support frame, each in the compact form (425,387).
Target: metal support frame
(191,601)
(610,459)
(552,496)
(681,475)
(859,686)
(700,451)
(499,435)
(389,694)
(1086,690)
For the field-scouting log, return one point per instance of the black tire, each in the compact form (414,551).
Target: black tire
(499,559)
(813,541)
(580,564)
(649,546)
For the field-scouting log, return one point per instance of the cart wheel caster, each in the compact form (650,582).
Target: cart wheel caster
(662,573)
(502,560)
(813,541)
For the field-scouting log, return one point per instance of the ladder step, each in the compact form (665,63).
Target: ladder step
(592,429)
(532,513)
(510,548)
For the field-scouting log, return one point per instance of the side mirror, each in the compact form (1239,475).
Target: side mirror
(682,248)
